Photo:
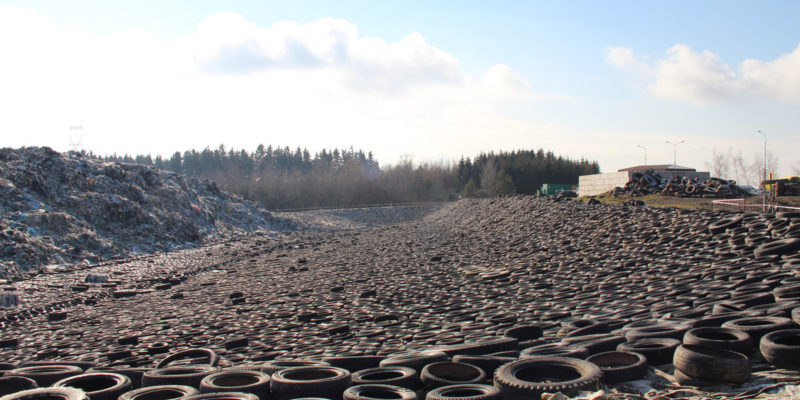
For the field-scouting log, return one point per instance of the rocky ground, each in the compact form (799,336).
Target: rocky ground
(477,276)
(57,210)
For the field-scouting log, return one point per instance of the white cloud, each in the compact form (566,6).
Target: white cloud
(700,77)
(226,43)
(318,84)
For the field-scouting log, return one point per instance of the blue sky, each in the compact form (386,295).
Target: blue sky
(432,80)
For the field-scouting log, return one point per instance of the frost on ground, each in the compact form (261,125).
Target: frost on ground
(67,208)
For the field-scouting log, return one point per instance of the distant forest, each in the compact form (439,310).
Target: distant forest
(281,178)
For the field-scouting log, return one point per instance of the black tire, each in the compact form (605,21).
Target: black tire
(237,380)
(135,374)
(686,380)
(160,392)
(222,396)
(524,332)
(210,356)
(657,351)
(777,247)
(318,381)
(713,365)
(782,348)
(581,327)
(555,350)
(486,346)
(416,361)
(596,343)
(620,366)
(665,331)
(450,373)
(273,366)
(98,385)
(720,338)
(186,375)
(488,364)
(526,379)
(757,327)
(61,393)
(464,392)
(396,376)
(354,363)
(12,384)
(46,375)
(370,392)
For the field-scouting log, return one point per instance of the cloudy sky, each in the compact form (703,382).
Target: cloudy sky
(432,80)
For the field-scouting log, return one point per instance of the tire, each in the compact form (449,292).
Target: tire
(464,392)
(395,376)
(290,383)
(686,380)
(526,379)
(487,346)
(354,363)
(98,385)
(210,355)
(584,327)
(620,366)
(555,350)
(237,380)
(757,327)
(657,351)
(46,375)
(135,374)
(450,373)
(13,384)
(185,375)
(61,393)
(720,338)
(488,364)
(713,365)
(222,396)
(782,348)
(524,332)
(596,343)
(661,331)
(370,392)
(416,361)
(160,392)
(271,367)
(777,247)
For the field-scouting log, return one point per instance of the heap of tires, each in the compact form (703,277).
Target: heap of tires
(651,182)
(567,298)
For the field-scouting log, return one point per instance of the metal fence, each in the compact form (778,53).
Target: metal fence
(754,204)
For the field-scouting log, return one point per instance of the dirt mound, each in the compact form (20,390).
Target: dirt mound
(67,208)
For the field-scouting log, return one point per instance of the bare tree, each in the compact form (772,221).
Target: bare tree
(489,177)
(739,169)
(756,169)
(720,164)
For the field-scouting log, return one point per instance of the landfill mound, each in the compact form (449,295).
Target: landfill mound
(62,209)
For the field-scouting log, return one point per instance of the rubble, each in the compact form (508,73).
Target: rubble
(61,209)
(651,182)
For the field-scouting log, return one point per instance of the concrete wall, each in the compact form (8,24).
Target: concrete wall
(590,185)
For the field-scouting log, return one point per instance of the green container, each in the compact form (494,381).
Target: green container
(555,188)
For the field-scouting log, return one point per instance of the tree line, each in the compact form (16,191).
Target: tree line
(281,178)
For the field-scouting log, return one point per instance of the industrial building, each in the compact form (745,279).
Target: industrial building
(591,185)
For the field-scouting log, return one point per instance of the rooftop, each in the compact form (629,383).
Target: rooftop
(659,167)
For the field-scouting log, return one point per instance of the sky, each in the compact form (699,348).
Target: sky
(608,81)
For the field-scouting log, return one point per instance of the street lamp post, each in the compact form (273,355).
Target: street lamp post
(765,155)
(645,153)
(675,153)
